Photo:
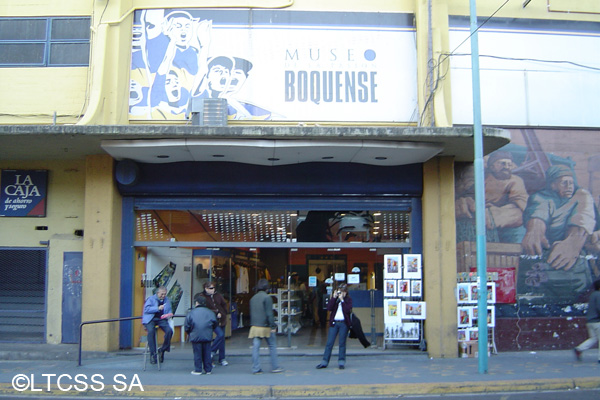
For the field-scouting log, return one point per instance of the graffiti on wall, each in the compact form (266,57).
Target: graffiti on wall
(542,224)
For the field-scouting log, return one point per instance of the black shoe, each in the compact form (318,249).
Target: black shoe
(161,355)
(320,366)
(153,360)
(260,371)
(342,367)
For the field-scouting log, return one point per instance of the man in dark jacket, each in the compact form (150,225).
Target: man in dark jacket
(199,324)
(262,325)
(216,303)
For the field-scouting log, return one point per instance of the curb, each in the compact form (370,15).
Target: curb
(299,391)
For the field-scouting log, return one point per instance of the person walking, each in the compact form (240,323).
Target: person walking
(262,325)
(593,323)
(340,308)
(157,311)
(216,303)
(199,325)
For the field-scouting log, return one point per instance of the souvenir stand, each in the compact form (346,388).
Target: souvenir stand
(403,305)
(467,295)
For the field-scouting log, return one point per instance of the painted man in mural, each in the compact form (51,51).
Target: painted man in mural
(559,219)
(505,200)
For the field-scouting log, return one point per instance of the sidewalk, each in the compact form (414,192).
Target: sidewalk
(369,372)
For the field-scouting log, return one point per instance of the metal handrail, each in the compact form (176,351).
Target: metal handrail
(106,320)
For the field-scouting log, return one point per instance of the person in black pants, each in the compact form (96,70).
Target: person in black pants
(340,308)
(199,324)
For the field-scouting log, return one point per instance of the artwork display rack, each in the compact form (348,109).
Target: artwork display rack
(404,308)
(467,295)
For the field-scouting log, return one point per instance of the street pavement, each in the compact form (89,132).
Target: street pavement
(35,370)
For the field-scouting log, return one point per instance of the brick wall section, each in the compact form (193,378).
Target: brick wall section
(558,333)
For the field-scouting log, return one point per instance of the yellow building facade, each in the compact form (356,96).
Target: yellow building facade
(56,118)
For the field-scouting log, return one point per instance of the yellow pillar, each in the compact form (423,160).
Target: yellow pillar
(439,257)
(101,255)
(433,63)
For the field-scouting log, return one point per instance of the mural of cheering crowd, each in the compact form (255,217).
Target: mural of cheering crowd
(173,63)
(542,222)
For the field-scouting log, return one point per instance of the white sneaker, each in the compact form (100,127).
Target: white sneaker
(224,363)
(196,372)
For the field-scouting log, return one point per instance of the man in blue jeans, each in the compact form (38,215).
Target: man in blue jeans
(216,303)
(157,311)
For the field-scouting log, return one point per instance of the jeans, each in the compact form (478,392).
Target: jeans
(272,342)
(151,327)
(218,343)
(594,335)
(202,356)
(342,329)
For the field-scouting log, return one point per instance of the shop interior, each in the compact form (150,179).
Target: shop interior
(301,275)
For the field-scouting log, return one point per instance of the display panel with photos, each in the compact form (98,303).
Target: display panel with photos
(416,288)
(392,264)
(404,288)
(412,266)
(404,331)
(392,311)
(414,310)
(390,288)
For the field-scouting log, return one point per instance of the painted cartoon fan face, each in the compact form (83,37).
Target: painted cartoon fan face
(219,78)
(179,29)
(172,87)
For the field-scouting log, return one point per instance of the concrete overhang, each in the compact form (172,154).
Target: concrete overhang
(264,145)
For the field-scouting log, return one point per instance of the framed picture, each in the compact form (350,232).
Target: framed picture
(414,310)
(392,264)
(354,279)
(462,292)
(408,331)
(472,334)
(416,288)
(465,317)
(403,288)
(390,288)
(412,266)
(462,335)
(392,311)
(491,316)
(491,292)
(473,292)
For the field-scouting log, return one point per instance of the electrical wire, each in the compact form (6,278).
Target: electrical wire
(446,56)
(531,59)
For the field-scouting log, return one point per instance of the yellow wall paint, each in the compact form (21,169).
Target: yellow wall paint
(44,8)
(64,214)
(32,95)
(439,257)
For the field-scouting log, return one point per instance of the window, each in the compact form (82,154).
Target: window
(44,42)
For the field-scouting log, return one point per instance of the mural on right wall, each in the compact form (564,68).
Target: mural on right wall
(542,220)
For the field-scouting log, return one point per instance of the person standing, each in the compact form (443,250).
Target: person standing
(199,324)
(262,325)
(593,323)
(340,308)
(216,303)
(157,311)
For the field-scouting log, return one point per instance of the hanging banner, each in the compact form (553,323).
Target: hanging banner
(274,64)
(23,193)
